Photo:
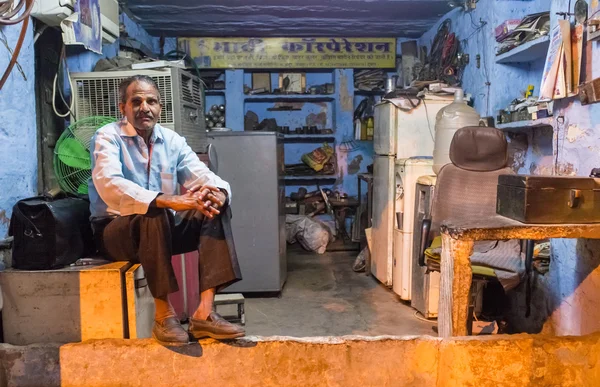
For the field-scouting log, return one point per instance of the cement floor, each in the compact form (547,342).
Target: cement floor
(324,297)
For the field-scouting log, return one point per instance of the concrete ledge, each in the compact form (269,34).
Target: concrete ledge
(521,360)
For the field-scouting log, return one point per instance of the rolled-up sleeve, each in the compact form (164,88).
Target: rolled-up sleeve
(107,175)
(192,172)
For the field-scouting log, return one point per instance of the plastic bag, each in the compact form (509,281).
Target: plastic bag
(312,234)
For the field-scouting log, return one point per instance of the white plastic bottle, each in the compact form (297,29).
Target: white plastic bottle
(449,119)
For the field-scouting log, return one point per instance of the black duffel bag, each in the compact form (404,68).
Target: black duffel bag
(50,232)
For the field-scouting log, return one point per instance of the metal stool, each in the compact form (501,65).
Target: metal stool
(229,299)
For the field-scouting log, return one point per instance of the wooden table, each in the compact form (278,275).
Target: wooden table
(457,246)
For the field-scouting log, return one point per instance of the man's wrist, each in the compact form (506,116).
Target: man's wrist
(224,191)
(162,200)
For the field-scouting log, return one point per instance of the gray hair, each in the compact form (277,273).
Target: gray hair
(125,83)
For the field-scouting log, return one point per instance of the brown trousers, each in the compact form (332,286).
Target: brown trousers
(151,239)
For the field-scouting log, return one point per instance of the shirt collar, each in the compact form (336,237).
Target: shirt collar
(127,130)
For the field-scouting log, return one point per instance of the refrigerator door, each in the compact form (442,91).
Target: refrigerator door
(408,172)
(251,162)
(384,190)
(384,136)
(416,129)
(425,286)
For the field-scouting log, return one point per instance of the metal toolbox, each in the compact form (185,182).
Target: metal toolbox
(76,303)
(549,199)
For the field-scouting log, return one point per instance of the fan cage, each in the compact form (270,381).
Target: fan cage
(71,179)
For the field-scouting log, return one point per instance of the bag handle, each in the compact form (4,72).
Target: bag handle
(22,216)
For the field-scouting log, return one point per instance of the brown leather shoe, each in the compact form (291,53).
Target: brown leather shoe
(170,332)
(216,327)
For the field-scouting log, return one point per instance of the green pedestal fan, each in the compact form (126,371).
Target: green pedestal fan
(72,160)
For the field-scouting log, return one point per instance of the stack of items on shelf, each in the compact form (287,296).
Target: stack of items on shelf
(251,123)
(364,123)
(215,117)
(370,80)
(525,108)
(321,161)
(313,129)
(530,28)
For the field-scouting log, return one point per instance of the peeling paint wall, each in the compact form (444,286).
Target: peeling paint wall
(565,300)
(18,133)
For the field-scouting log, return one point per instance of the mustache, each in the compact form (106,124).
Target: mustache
(145,115)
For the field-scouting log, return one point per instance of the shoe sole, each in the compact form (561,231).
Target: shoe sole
(169,343)
(204,334)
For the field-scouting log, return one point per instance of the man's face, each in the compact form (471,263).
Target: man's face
(142,107)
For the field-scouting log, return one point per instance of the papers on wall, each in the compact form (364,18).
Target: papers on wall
(562,71)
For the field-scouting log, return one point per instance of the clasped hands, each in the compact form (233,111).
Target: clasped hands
(204,198)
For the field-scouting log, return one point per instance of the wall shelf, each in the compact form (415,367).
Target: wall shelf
(301,138)
(214,92)
(289,98)
(310,180)
(367,93)
(525,125)
(527,52)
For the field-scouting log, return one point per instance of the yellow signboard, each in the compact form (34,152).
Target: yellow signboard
(291,53)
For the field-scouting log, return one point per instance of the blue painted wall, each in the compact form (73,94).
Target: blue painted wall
(566,300)
(18,130)
(18,126)
(339,116)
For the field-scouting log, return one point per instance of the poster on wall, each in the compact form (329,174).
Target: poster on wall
(299,53)
(84,26)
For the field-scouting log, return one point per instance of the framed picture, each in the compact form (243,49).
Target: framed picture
(261,81)
(292,82)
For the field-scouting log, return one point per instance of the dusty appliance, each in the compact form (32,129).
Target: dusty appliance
(252,163)
(403,130)
(97,94)
(425,286)
(76,303)
(408,172)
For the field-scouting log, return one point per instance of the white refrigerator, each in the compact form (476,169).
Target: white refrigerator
(403,144)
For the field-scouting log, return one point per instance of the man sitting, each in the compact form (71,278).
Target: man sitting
(138,216)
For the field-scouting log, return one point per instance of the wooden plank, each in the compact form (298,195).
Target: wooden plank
(455,285)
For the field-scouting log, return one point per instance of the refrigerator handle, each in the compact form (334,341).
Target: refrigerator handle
(213,159)
(425,228)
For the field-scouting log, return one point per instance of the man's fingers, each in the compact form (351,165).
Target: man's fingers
(210,207)
(214,199)
(204,210)
(199,187)
(195,188)
(200,196)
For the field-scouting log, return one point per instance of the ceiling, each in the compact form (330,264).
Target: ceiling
(289,18)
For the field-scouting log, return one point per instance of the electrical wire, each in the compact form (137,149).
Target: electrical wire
(7,12)
(58,80)
(5,19)
(54,97)
(418,317)
(428,122)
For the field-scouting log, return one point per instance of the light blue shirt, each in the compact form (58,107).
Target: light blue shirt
(126,177)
